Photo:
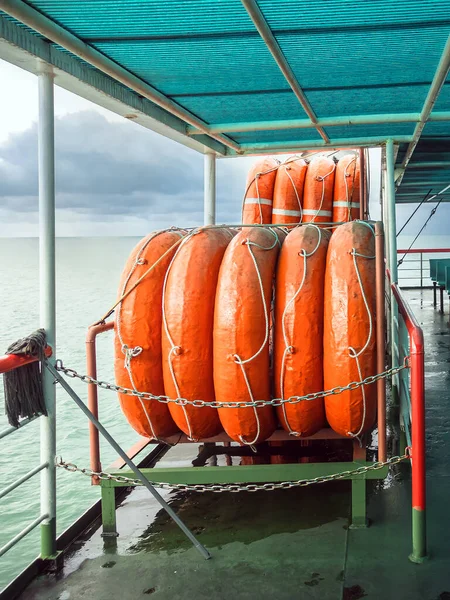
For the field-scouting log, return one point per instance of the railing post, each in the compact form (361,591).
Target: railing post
(209,191)
(419,533)
(421,269)
(46,161)
(392,245)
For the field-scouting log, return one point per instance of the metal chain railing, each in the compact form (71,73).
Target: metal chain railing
(214,404)
(234,487)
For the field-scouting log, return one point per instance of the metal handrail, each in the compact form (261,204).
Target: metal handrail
(417,416)
(10,362)
(422,267)
(4,549)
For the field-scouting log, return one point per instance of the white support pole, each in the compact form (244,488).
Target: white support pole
(392,246)
(46,151)
(209,190)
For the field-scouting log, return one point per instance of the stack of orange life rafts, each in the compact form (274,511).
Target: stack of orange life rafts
(232,316)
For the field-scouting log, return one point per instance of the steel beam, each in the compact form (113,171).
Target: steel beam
(436,85)
(255,14)
(295,145)
(46,167)
(209,190)
(57,34)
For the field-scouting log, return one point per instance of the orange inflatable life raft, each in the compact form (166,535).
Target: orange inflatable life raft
(187,334)
(288,192)
(137,342)
(318,190)
(346,195)
(241,333)
(298,347)
(258,198)
(349,327)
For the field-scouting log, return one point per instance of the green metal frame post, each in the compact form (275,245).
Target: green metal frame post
(109,525)
(359,487)
(391,229)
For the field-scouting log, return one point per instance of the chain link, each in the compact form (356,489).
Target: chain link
(214,404)
(234,487)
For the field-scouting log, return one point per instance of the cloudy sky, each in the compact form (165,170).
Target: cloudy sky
(113,177)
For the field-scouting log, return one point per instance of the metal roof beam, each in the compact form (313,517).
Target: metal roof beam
(323,122)
(49,29)
(251,6)
(295,146)
(436,85)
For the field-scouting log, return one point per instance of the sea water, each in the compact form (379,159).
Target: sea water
(88,274)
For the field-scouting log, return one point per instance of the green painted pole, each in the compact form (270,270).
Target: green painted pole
(391,229)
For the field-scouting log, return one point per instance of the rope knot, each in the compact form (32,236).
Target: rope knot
(320,178)
(141,261)
(290,350)
(177,350)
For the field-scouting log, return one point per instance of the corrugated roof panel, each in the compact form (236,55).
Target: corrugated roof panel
(368,100)
(321,60)
(238,108)
(437,128)
(126,18)
(199,66)
(287,14)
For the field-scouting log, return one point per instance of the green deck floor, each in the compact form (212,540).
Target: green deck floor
(292,544)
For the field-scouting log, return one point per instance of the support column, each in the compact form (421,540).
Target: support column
(392,245)
(46,160)
(209,217)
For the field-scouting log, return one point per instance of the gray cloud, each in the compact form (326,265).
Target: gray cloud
(108,171)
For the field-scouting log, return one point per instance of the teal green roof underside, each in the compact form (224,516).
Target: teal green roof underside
(373,60)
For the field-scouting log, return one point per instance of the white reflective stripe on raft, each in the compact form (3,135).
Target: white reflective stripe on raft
(258,201)
(318,213)
(288,213)
(345,204)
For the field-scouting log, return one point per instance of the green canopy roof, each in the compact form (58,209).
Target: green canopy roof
(247,77)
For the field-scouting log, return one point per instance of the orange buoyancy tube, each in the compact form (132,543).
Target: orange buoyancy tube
(298,347)
(346,195)
(257,208)
(137,343)
(349,328)
(318,190)
(288,192)
(187,334)
(241,333)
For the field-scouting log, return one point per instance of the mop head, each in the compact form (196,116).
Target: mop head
(24,396)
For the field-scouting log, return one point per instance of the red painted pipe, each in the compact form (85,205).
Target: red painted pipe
(417,401)
(381,338)
(9,362)
(424,251)
(91,370)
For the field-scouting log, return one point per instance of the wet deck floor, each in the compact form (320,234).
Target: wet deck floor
(292,544)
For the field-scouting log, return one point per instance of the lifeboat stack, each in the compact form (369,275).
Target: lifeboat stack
(217,322)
